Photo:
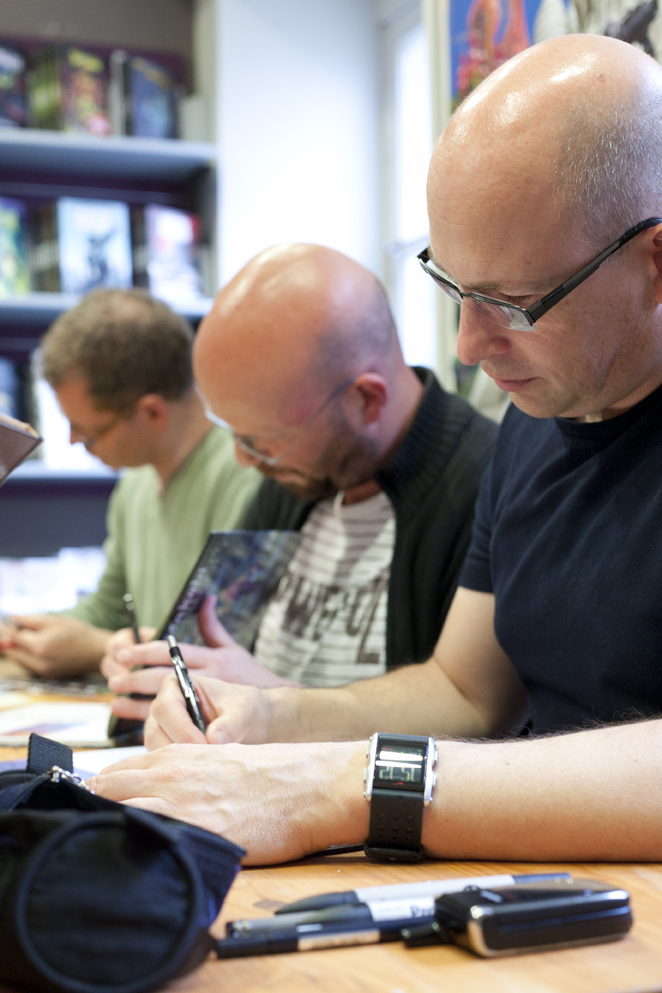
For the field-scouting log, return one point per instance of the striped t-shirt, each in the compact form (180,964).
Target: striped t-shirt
(326,625)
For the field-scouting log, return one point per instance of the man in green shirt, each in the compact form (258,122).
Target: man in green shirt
(120,364)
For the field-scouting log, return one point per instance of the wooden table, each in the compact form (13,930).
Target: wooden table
(632,964)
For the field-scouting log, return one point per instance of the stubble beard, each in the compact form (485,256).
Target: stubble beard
(348,461)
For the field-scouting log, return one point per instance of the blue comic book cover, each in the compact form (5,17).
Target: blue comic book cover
(13,104)
(94,238)
(151,96)
(243,570)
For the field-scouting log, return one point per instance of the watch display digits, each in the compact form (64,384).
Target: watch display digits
(398,784)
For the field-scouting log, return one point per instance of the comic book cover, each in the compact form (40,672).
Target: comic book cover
(13,105)
(14,272)
(69,90)
(84,89)
(94,244)
(486,33)
(243,569)
(150,99)
(165,253)
(44,251)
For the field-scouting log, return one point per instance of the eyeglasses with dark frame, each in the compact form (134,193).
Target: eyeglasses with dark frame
(247,442)
(509,315)
(92,440)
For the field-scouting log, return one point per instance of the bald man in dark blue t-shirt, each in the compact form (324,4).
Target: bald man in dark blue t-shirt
(545,201)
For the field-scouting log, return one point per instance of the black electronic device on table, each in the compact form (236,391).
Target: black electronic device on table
(512,920)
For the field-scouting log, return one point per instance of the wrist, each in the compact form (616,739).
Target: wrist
(283,719)
(340,813)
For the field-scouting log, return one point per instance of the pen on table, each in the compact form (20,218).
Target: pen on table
(381,913)
(186,686)
(131,611)
(310,936)
(406,891)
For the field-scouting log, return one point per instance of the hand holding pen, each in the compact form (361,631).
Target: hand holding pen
(186,686)
(131,611)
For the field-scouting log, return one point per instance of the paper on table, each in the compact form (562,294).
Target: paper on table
(74,723)
(88,764)
(9,698)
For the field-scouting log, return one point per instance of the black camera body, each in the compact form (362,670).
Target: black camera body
(511,920)
(534,916)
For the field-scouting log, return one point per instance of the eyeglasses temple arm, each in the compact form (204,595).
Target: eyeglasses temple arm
(547,302)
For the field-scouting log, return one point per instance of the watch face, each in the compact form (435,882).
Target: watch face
(398,767)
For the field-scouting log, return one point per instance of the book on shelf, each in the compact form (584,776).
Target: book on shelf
(13,102)
(17,440)
(44,251)
(68,90)
(143,97)
(14,272)
(165,253)
(9,388)
(78,245)
(94,243)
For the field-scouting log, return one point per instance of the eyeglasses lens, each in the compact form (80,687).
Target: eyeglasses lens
(505,317)
(448,288)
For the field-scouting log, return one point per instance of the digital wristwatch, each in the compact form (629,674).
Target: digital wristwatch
(398,784)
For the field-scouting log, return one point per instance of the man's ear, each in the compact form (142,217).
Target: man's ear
(657,259)
(372,390)
(154,411)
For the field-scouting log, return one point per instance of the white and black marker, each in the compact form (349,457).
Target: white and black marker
(186,686)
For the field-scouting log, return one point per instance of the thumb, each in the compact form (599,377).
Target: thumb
(211,628)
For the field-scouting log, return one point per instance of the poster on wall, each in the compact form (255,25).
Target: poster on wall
(486,33)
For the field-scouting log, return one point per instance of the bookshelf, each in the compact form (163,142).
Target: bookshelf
(38,308)
(42,509)
(157,159)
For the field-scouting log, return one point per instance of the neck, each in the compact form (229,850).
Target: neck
(186,429)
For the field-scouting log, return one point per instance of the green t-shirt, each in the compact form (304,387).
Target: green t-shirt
(155,538)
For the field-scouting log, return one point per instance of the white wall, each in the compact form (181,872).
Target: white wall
(297,120)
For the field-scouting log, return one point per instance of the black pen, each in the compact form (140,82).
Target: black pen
(411,891)
(131,611)
(309,937)
(386,913)
(186,686)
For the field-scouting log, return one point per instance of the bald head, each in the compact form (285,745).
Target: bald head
(574,120)
(297,320)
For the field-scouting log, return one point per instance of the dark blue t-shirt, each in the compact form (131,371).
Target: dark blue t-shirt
(568,536)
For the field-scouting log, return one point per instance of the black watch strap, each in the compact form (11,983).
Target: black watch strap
(396,822)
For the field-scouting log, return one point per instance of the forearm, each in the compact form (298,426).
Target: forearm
(417,699)
(590,795)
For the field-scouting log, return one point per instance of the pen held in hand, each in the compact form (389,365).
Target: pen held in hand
(186,686)
(131,611)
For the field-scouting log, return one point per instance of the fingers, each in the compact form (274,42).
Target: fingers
(211,628)
(146,681)
(37,665)
(133,710)
(153,653)
(154,735)
(235,713)
(7,634)
(169,718)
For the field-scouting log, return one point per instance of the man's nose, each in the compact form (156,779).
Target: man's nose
(479,336)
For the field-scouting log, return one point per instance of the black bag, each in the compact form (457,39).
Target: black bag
(96,896)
